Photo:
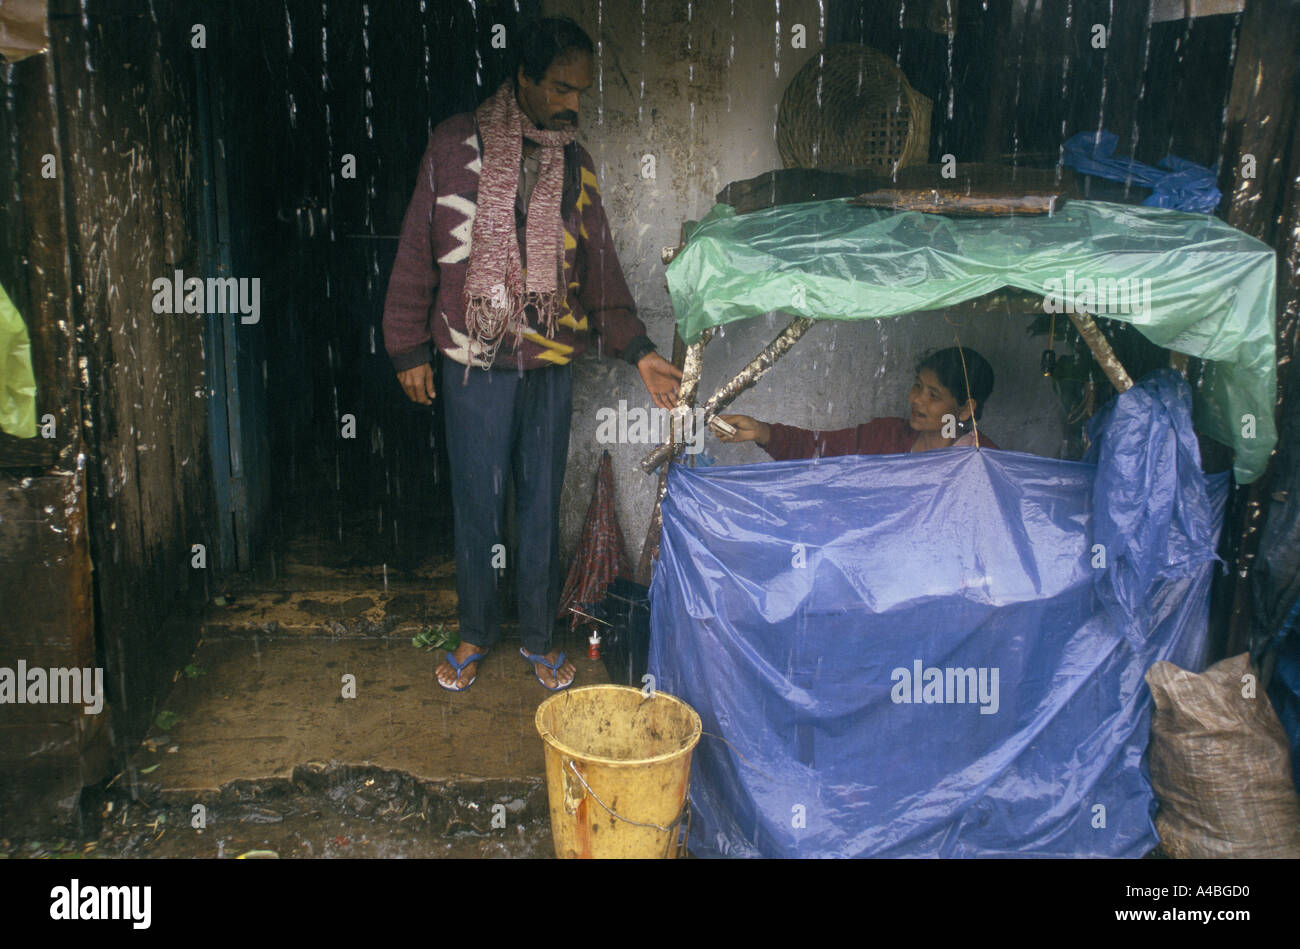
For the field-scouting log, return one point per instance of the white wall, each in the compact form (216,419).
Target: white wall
(697,87)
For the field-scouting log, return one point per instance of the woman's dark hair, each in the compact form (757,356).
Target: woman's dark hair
(545,41)
(947,365)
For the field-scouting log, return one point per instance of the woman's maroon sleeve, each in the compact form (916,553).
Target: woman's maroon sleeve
(872,438)
(787,442)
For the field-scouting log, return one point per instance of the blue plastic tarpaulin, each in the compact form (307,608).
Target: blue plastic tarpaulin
(938,654)
(1177,183)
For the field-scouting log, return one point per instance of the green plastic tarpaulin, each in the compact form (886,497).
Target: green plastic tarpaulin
(1188,282)
(17,383)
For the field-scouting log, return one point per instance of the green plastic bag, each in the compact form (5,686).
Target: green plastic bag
(17,383)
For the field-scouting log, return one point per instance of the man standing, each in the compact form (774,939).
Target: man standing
(506,264)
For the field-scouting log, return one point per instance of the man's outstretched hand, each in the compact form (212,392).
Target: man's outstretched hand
(661,378)
(417,383)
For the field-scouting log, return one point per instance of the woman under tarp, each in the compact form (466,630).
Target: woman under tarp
(946,399)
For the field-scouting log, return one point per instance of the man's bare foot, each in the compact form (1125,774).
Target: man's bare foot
(446,672)
(549,678)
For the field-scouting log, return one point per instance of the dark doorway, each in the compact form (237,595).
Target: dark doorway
(330,110)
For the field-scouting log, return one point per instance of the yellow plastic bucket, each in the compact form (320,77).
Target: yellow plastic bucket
(618,762)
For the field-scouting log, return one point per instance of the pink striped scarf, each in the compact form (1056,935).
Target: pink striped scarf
(495,291)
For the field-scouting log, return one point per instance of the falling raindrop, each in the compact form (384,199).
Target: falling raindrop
(1142,87)
(640,105)
(600,64)
(952,36)
(428,82)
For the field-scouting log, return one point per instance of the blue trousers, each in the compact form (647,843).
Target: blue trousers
(498,422)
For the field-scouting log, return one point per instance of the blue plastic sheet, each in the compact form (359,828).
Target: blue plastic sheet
(1151,523)
(1177,183)
(1284,689)
(795,603)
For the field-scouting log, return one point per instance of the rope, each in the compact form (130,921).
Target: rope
(962,353)
(739,755)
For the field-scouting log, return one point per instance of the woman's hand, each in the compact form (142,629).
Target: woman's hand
(747,430)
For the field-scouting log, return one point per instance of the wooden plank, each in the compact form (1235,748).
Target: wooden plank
(48,751)
(41,290)
(1261,116)
(1262,119)
(27,452)
(150,493)
(46,796)
(45,582)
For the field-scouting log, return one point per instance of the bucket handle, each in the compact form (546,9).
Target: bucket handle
(685,813)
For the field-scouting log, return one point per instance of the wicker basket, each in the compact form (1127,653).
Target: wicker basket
(869,117)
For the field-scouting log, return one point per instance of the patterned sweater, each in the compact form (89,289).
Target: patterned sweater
(425,300)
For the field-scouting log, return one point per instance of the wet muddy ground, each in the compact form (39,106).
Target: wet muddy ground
(299,825)
(321,811)
(261,739)
(306,831)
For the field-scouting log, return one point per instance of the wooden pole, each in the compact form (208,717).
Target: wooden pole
(650,549)
(690,360)
(693,362)
(743,380)
(1106,358)
(692,367)
(758,366)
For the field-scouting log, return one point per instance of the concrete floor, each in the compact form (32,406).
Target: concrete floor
(264,706)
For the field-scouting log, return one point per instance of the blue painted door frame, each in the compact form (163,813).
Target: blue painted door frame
(234,352)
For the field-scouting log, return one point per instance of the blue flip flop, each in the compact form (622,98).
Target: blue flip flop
(554,667)
(460,667)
